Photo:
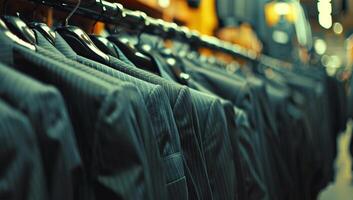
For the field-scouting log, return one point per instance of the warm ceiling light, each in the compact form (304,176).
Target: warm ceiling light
(320,46)
(337,28)
(325,21)
(325,9)
(282,8)
(164,3)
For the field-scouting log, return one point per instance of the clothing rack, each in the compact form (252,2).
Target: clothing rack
(115,13)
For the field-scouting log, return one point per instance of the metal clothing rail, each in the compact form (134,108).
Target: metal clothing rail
(116,14)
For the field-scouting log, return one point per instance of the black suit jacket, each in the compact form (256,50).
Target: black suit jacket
(21,169)
(250,97)
(200,101)
(165,131)
(314,106)
(221,174)
(45,109)
(186,121)
(203,101)
(249,173)
(111,124)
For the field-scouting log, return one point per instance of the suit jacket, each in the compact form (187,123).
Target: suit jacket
(186,121)
(249,183)
(203,100)
(220,183)
(314,107)
(157,80)
(253,172)
(47,113)
(250,97)
(22,174)
(111,126)
(166,133)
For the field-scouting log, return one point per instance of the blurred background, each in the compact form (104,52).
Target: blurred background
(317,31)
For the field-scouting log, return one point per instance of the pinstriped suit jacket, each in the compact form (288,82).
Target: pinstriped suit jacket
(186,121)
(250,183)
(214,140)
(161,116)
(44,107)
(241,94)
(217,146)
(21,169)
(208,111)
(110,122)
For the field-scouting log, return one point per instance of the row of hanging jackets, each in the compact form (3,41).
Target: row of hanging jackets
(76,125)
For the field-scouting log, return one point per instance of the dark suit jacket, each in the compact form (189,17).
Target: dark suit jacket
(166,133)
(21,171)
(45,109)
(209,110)
(111,124)
(249,173)
(186,121)
(315,107)
(203,100)
(251,98)
(221,183)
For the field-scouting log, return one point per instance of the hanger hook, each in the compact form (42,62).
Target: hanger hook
(72,13)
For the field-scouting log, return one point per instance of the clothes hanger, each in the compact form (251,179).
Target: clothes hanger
(136,57)
(44,29)
(160,53)
(127,41)
(5,31)
(104,45)
(101,42)
(79,41)
(17,26)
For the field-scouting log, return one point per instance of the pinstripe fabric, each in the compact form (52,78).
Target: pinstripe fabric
(179,98)
(279,171)
(316,147)
(234,136)
(275,172)
(187,124)
(214,142)
(162,119)
(215,139)
(255,188)
(294,141)
(249,184)
(222,184)
(21,167)
(239,94)
(218,178)
(245,96)
(108,123)
(47,113)
(217,146)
